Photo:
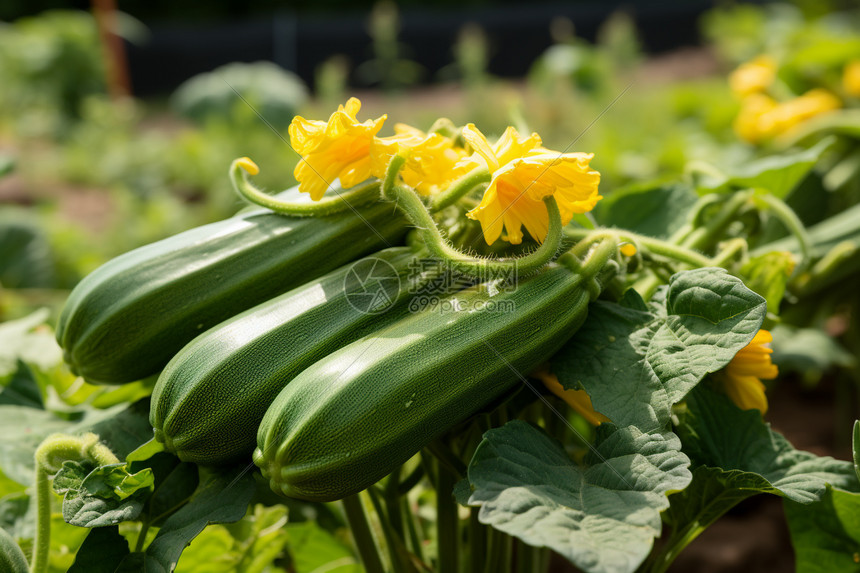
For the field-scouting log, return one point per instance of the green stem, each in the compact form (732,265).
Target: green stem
(344,200)
(141,538)
(655,246)
(392,541)
(477,541)
(460,188)
(793,223)
(410,203)
(693,218)
(42,543)
(446,523)
(702,237)
(411,480)
(361,534)
(731,249)
(392,502)
(414,538)
(49,458)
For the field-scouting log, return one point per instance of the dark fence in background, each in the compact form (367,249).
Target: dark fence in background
(301,41)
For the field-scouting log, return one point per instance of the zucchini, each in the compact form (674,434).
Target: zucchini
(211,397)
(353,417)
(125,320)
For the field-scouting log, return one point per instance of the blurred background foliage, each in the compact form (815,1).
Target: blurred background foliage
(87,175)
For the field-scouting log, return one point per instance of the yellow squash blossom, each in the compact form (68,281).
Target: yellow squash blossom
(523,173)
(762,118)
(576,399)
(433,161)
(851,78)
(338,148)
(753,77)
(742,378)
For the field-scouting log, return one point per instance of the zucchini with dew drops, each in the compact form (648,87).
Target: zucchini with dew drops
(353,417)
(210,399)
(126,320)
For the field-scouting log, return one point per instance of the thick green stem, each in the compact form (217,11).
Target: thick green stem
(793,223)
(410,203)
(728,252)
(477,541)
(447,530)
(460,188)
(655,246)
(392,541)
(414,537)
(703,237)
(42,543)
(343,201)
(361,534)
(392,502)
(141,537)
(49,457)
(693,218)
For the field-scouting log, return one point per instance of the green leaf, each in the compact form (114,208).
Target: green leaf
(22,389)
(777,174)
(127,430)
(175,483)
(23,339)
(637,360)
(101,552)
(826,535)
(807,351)
(106,496)
(748,455)
(222,497)
(768,275)
(840,122)
(653,210)
(314,549)
(71,475)
(603,516)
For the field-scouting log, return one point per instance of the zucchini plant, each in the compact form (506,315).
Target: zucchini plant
(546,369)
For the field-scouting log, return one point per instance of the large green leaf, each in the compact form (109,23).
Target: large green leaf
(735,456)
(654,210)
(636,360)
(826,535)
(101,552)
(776,174)
(748,455)
(602,516)
(222,497)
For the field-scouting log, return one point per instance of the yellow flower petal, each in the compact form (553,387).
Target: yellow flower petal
(742,377)
(576,399)
(432,160)
(338,148)
(520,186)
(753,77)
(761,118)
(851,78)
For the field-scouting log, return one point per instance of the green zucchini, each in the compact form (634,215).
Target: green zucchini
(12,559)
(211,397)
(353,417)
(125,320)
